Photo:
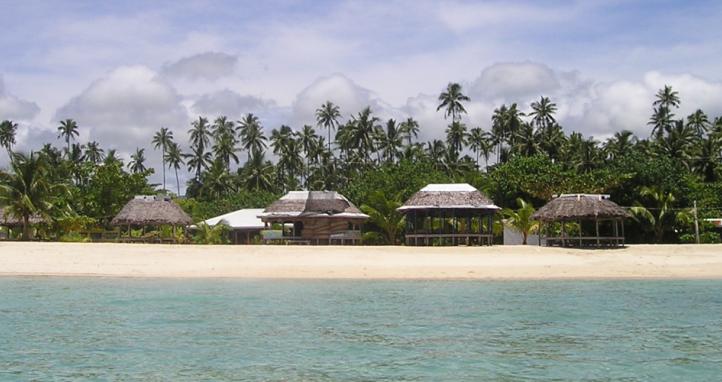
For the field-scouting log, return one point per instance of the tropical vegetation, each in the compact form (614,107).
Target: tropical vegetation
(521,153)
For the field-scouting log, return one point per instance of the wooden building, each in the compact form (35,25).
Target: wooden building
(11,225)
(598,222)
(449,214)
(313,217)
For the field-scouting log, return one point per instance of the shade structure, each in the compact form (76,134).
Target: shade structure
(147,210)
(317,217)
(9,220)
(578,209)
(449,214)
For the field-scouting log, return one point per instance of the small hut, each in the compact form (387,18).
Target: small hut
(313,217)
(151,211)
(449,214)
(244,224)
(600,222)
(12,222)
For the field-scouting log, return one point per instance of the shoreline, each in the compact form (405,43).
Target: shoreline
(502,263)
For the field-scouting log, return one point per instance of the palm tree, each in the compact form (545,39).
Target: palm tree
(451,99)
(362,129)
(520,219)
(251,133)
(587,156)
(224,149)
(93,152)
(162,139)
(8,129)
(699,122)
(67,130)
(410,129)
(327,117)
(667,97)
(27,190)
(307,138)
(174,159)
(708,157)
(258,172)
(137,161)
(619,144)
(200,139)
(382,212)
(543,113)
(456,136)
(679,142)
(390,141)
(661,216)
(112,158)
(527,140)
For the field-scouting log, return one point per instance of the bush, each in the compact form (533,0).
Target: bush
(708,237)
(74,237)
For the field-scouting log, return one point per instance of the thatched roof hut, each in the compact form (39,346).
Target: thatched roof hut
(9,220)
(310,204)
(151,210)
(574,207)
(448,196)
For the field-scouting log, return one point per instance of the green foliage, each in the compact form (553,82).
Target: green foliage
(704,238)
(202,209)
(206,234)
(520,219)
(74,237)
(383,215)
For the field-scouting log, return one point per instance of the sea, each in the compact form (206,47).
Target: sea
(122,329)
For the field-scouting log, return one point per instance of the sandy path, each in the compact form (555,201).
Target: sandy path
(498,262)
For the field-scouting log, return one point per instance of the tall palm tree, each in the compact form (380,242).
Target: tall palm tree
(258,172)
(667,97)
(307,138)
(699,122)
(452,101)
(174,159)
(362,129)
(543,113)
(527,140)
(8,129)
(251,134)
(679,142)
(162,139)
(520,219)
(410,129)
(112,158)
(27,190)
(390,141)
(456,136)
(327,117)
(67,130)
(93,152)
(137,161)
(200,139)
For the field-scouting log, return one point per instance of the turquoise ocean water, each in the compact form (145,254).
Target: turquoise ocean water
(263,330)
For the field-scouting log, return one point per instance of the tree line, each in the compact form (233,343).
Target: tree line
(521,154)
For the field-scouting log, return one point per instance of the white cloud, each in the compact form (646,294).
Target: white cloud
(205,66)
(123,109)
(460,16)
(515,80)
(231,104)
(339,89)
(14,108)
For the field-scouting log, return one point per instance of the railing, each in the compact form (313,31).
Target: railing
(452,238)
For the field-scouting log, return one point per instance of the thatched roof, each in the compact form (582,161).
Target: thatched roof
(448,196)
(312,204)
(151,210)
(9,220)
(580,207)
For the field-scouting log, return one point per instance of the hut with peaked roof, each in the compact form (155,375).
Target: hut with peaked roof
(313,217)
(449,214)
(149,210)
(599,221)
(12,222)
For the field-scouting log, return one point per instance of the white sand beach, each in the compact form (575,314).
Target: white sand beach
(498,262)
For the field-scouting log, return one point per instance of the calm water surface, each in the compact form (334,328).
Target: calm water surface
(261,330)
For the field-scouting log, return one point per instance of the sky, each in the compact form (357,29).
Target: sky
(124,69)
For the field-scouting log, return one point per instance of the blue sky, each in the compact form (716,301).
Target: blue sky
(123,69)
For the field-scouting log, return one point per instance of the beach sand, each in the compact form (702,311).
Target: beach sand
(498,262)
